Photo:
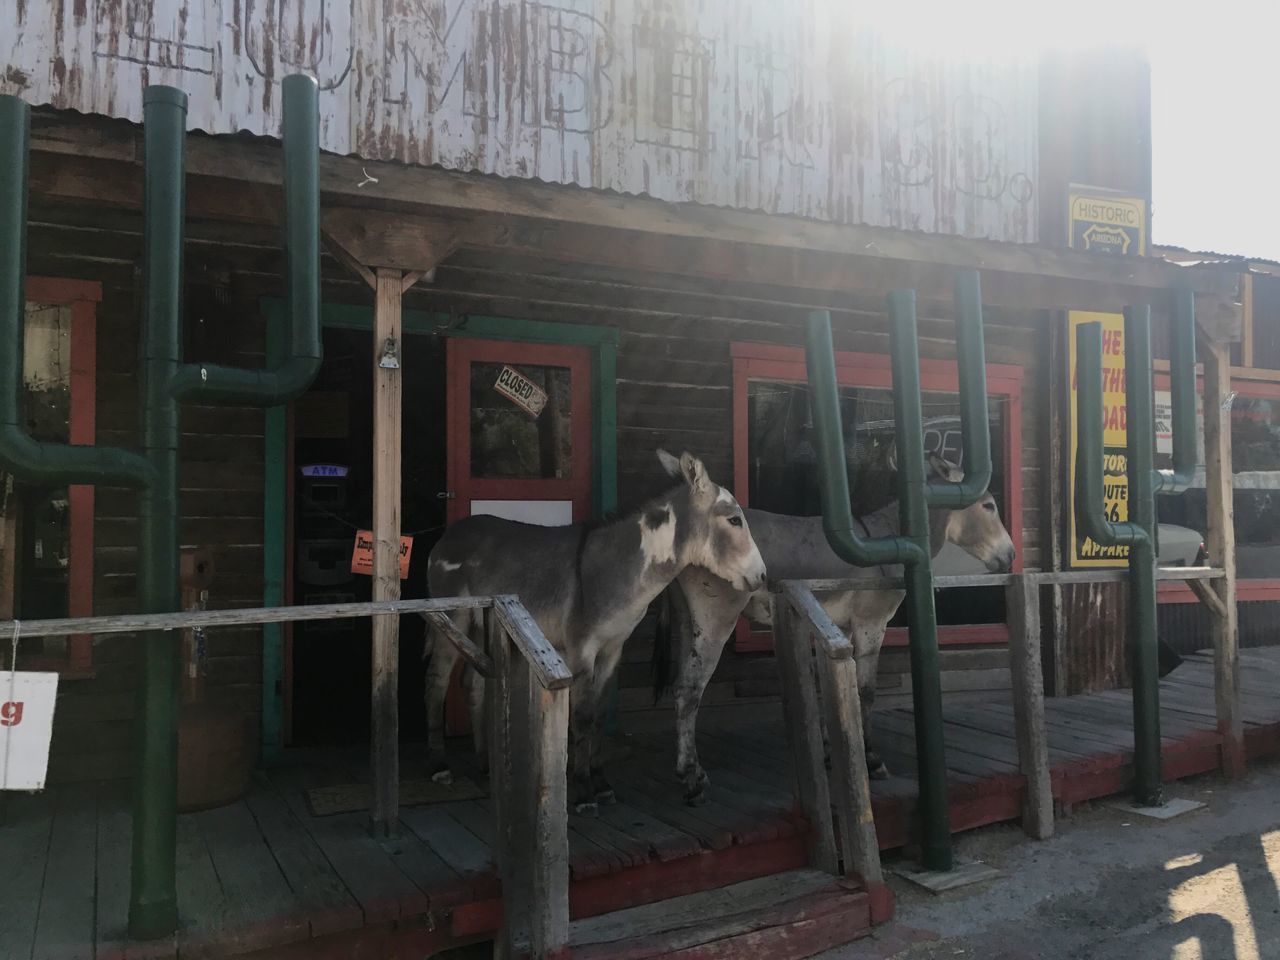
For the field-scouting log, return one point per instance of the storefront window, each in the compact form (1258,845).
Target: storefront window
(783,478)
(34,519)
(1255,464)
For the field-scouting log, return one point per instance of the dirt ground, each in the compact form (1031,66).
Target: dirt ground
(1110,886)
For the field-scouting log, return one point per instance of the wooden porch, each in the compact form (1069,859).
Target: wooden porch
(266,875)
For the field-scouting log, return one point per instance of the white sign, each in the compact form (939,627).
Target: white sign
(521,391)
(26,728)
(1164,422)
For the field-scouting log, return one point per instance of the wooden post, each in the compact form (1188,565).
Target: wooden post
(1220,541)
(548,797)
(1023,604)
(851,791)
(498,694)
(804,731)
(385,746)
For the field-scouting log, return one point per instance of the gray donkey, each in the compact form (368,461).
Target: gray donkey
(700,609)
(587,586)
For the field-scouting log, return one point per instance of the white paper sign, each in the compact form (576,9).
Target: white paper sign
(26,728)
(521,391)
(1164,422)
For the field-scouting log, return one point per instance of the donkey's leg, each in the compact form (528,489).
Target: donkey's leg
(439,672)
(712,615)
(606,667)
(582,718)
(473,683)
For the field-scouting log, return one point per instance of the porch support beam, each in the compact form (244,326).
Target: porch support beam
(1220,542)
(390,263)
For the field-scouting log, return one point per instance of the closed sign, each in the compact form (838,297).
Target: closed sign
(26,728)
(521,391)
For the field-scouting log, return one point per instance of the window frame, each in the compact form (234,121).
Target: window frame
(758,361)
(81,297)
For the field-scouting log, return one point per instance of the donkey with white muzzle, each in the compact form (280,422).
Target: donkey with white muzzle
(701,609)
(587,587)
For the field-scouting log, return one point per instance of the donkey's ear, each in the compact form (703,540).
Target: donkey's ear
(670,464)
(695,474)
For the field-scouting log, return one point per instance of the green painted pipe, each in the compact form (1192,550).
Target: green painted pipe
(210,383)
(916,495)
(1182,381)
(975,431)
(922,621)
(51,463)
(166,381)
(153,900)
(1138,533)
(828,431)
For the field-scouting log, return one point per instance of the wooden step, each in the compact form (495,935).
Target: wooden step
(785,916)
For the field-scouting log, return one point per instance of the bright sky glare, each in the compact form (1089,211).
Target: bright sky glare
(1215,67)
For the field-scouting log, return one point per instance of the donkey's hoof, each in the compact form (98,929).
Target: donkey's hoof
(698,797)
(588,808)
(606,797)
(444,777)
(878,772)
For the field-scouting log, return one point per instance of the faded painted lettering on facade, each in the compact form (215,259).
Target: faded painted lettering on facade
(789,108)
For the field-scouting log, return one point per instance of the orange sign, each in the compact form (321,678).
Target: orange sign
(362,556)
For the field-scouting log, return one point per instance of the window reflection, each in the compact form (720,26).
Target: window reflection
(783,476)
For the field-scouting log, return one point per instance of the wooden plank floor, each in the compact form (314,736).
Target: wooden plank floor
(1090,744)
(264,875)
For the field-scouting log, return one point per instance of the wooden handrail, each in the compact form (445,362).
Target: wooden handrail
(548,666)
(833,641)
(469,652)
(242,616)
(1044,577)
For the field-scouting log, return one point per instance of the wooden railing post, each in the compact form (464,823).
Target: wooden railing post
(804,731)
(529,751)
(1023,604)
(851,792)
(549,876)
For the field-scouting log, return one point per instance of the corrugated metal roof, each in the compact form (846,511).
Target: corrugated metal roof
(790,108)
(1186,258)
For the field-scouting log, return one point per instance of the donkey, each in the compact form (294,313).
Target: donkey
(701,609)
(587,587)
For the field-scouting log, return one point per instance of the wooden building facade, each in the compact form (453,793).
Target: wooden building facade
(605,225)
(708,362)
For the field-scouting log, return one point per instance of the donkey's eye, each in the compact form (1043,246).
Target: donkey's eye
(735,521)
(989,507)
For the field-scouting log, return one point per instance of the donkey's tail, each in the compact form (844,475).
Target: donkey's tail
(660,664)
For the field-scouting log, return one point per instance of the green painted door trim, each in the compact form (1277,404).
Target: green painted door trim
(274,502)
(603,341)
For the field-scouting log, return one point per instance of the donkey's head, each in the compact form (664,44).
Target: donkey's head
(706,527)
(977,528)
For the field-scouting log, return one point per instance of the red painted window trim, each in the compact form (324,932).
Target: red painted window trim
(82,297)
(756,361)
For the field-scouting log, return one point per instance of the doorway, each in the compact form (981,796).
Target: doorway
(491,426)
(333,498)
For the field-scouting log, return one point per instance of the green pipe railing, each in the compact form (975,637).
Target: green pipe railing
(165,381)
(916,496)
(1144,481)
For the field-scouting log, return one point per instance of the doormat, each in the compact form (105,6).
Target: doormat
(354,797)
